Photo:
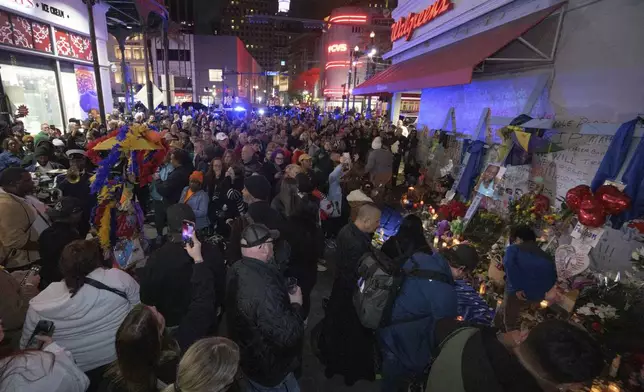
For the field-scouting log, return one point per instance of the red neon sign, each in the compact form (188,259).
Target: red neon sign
(349,18)
(337,48)
(405,27)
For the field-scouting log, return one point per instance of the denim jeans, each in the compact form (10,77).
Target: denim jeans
(289,384)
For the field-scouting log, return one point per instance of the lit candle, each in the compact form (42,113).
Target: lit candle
(435,216)
(595,388)
(482,289)
(435,242)
(422,203)
(499,301)
(612,387)
(543,304)
(411,188)
(460,318)
(456,241)
(444,244)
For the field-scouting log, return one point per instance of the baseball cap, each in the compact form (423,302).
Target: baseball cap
(304,157)
(65,207)
(257,234)
(221,136)
(462,255)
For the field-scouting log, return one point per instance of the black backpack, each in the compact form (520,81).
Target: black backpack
(379,282)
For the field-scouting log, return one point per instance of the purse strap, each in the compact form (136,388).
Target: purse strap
(101,286)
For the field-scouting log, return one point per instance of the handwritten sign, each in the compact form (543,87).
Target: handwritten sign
(613,251)
(569,262)
(587,235)
(575,165)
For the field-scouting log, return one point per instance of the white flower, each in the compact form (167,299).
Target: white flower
(635,256)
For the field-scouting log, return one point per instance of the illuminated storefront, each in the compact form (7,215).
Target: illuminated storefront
(477,64)
(46,59)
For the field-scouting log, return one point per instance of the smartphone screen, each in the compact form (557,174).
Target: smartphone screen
(44,327)
(187,230)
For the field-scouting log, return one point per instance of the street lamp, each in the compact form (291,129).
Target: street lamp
(372,52)
(372,35)
(356,49)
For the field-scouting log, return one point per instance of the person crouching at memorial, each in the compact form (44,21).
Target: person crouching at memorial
(197,198)
(530,273)
(426,296)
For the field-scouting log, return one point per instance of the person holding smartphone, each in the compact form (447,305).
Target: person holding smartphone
(48,369)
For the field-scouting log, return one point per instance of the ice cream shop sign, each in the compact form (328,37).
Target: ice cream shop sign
(406,27)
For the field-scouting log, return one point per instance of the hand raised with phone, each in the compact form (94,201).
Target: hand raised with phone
(194,249)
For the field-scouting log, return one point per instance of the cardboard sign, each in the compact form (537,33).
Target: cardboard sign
(587,235)
(570,262)
(613,251)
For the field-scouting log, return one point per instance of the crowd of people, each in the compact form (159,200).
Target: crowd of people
(278,192)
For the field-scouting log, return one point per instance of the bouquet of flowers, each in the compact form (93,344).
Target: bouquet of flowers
(452,210)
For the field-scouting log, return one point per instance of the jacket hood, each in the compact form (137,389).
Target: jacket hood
(55,302)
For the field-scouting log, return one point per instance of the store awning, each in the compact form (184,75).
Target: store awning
(450,65)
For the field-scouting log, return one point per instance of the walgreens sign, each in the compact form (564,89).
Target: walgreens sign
(406,27)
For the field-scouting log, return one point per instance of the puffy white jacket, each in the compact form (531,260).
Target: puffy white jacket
(86,323)
(50,370)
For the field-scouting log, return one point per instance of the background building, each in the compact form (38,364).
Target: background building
(364,28)
(46,60)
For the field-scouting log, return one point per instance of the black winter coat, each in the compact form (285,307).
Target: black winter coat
(166,279)
(262,321)
(171,188)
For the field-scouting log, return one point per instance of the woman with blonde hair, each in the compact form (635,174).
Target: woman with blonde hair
(209,365)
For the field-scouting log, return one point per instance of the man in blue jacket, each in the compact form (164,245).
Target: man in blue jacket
(426,295)
(529,274)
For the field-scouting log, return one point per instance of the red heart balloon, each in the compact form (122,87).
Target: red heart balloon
(614,201)
(590,203)
(595,218)
(575,196)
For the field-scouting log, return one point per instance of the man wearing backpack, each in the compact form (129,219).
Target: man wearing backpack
(554,355)
(426,295)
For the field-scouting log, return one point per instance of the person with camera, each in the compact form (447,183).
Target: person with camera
(147,351)
(48,369)
(263,314)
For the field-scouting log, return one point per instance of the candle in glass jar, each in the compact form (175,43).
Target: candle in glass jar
(612,387)
(456,241)
(444,244)
(435,242)
(482,289)
(543,304)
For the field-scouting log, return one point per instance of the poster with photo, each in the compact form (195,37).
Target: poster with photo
(86,87)
(490,180)
(516,183)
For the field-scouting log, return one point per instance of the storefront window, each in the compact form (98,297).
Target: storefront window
(72,99)
(36,89)
(117,52)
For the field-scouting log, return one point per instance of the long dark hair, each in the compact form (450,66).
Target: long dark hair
(10,367)
(140,350)
(211,180)
(78,259)
(411,237)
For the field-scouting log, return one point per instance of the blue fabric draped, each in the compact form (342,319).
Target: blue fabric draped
(476,149)
(634,179)
(616,154)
